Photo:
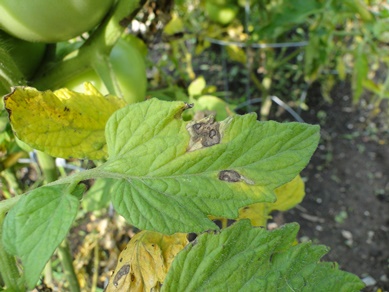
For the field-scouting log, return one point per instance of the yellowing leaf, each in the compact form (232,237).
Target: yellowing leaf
(197,86)
(62,123)
(236,54)
(175,25)
(144,263)
(288,196)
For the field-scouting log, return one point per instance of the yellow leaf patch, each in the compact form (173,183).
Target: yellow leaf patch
(62,123)
(288,196)
(144,263)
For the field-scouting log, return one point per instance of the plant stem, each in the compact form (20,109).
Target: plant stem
(95,264)
(67,264)
(48,167)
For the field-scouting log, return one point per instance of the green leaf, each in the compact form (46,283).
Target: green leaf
(246,258)
(171,174)
(36,226)
(209,103)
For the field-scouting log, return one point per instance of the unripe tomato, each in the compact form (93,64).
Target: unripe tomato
(222,14)
(26,55)
(51,21)
(130,70)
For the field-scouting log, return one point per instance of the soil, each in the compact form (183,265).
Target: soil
(347,186)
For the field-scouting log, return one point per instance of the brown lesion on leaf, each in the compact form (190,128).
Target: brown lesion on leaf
(230,176)
(234,176)
(66,109)
(203,133)
(124,270)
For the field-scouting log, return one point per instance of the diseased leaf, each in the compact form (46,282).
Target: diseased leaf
(245,258)
(288,196)
(145,261)
(172,174)
(36,226)
(62,123)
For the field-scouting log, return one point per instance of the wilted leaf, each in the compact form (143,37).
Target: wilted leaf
(171,174)
(62,123)
(245,258)
(36,226)
(144,263)
(288,196)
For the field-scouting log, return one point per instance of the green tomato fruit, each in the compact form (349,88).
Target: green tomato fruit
(26,55)
(221,14)
(51,21)
(130,71)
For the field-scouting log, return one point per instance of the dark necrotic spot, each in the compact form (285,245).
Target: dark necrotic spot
(229,175)
(197,127)
(122,272)
(212,133)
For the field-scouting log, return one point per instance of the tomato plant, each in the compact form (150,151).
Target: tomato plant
(130,71)
(51,21)
(163,174)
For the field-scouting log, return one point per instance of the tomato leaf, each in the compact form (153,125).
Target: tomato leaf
(62,123)
(288,196)
(245,258)
(36,226)
(171,174)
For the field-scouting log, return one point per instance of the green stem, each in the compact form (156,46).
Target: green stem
(12,181)
(8,269)
(67,264)
(95,264)
(48,167)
